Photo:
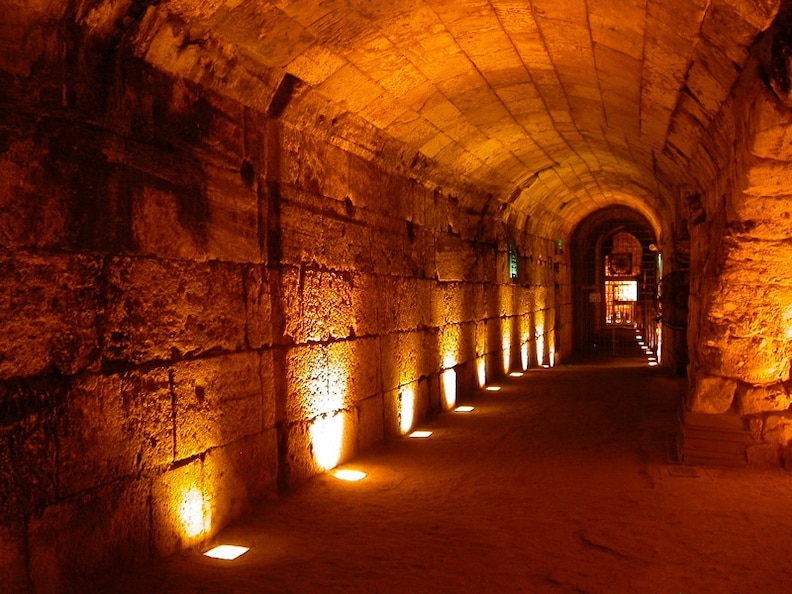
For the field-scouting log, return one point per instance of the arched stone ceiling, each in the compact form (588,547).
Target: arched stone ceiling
(556,107)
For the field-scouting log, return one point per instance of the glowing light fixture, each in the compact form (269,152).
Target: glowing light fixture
(516,374)
(194,513)
(493,388)
(639,337)
(349,475)
(420,434)
(464,409)
(653,363)
(227,552)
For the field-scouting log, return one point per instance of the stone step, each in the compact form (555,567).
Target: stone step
(712,440)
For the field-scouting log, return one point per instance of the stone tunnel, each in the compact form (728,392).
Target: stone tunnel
(242,241)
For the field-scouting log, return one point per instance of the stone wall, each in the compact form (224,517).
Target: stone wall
(204,302)
(741,307)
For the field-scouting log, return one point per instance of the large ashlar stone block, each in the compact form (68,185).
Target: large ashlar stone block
(318,304)
(360,361)
(28,445)
(102,529)
(218,401)
(758,399)
(160,310)
(778,430)
(48,314)
(320,443)
(712,394)
(260,324)
(182,512)
(370,422)
(406,357)
(766,177)
(114,427)
(240,474)
(456,259)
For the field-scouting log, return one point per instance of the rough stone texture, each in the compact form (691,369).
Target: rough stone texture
(753,400)
(778,430)
(713,395)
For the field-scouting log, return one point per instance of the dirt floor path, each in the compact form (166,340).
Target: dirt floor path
(560,482)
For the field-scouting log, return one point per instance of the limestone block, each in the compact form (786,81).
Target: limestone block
(763,455)
(240,474)
(166,309)
(28,445)
(181,508)
(308,377)
(301,234)
(360,361)
(319,444)
(712,394)
(73,541)
(218,400)
(371,430)
(758,399)
(367,304)
(260,324)
(778,430)
(317,304)
(455,259)
(13,557)
(324,169)
(346,244)
(764,218)
(100,440)
(402,358)
(48,314)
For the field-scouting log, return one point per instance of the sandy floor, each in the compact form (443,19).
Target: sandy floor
(560,482)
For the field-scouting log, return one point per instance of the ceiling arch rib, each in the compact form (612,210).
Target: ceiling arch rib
(595,100)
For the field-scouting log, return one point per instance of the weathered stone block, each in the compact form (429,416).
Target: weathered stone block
(260,325)
(712,394)
(163,310)
(371,430)
(181,509)
(74,541)
(758,399)
(401,358)
(28,445)
(763,455)
(48,314)
(217,401)
(360,360)
(778,430)
(240,474)
(455,259)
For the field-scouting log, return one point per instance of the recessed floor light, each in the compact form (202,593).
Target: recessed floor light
(420,434)
(493,388)
(516,374)
(464,409)
(347,474)
(226,552)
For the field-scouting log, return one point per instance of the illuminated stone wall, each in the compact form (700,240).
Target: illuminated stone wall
(741,307)
(203,301)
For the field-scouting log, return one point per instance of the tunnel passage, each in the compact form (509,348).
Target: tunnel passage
(243,241)
(617,266)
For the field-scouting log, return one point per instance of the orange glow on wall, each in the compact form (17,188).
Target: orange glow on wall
(448,384)
(481,371)
(327,439)
(540,345)
(506,345)
(525,353)
(195,513)
(406,409)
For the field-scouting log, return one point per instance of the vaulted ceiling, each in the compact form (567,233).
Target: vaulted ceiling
(558,107)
